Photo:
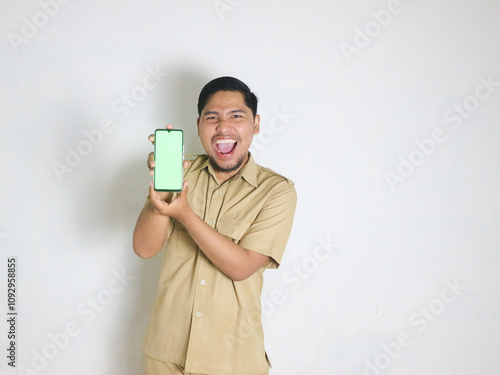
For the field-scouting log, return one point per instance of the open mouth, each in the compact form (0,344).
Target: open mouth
(225,147)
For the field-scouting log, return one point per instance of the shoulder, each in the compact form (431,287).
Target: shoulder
(197,164)
(279,191)
(276,186)
(267,175)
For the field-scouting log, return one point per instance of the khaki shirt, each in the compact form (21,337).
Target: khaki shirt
(203,320)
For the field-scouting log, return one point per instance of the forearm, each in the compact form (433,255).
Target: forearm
(232,259)
(150,232)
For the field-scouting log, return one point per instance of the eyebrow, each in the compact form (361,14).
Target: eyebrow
(217,113)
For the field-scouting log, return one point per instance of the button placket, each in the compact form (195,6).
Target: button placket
(215,206)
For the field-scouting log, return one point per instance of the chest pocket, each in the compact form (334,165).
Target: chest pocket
(232,228)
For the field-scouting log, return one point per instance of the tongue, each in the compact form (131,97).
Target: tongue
(226,148)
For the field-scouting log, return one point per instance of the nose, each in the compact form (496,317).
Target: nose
(224,124)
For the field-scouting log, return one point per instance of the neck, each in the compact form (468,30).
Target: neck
(223,175)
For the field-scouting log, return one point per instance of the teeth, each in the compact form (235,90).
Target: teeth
(225,141)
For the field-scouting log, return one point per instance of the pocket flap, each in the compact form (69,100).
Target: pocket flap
(233,228)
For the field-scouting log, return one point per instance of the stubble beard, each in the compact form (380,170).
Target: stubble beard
(235,167)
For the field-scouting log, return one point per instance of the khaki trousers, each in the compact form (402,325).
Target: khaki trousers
(154,367)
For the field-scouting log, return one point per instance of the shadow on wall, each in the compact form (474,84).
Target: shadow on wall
(362,354)
(131,180)
(183,87)
(125,197)
(126,194)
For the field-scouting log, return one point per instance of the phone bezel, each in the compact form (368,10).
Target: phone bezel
(182,159)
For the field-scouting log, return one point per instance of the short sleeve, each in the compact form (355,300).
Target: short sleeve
(269,233)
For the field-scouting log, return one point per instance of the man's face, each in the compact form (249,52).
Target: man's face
(226,127)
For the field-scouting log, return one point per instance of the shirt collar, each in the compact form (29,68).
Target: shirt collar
(248,172)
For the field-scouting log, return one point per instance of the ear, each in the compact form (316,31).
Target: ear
(256,125)
(198,125)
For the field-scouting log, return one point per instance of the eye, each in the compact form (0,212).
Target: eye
(237,116)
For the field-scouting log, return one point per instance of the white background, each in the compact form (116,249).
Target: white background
(348,90)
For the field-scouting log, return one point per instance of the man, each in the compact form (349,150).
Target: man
(230,222)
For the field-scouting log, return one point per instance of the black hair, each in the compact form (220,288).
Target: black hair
(227,84)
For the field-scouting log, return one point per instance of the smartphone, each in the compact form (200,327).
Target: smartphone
(169,155)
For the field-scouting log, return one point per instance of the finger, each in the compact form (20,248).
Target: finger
(185,187)
(184,191)
(151,138)
(170,126)
(151,163)
(186,164)
(153,195)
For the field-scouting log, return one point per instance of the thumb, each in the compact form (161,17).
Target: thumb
(185,189)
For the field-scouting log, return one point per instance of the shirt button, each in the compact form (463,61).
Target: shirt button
(198,314)
(203,282)
(212,222)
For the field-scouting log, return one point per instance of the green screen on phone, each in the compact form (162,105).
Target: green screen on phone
(168,160)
